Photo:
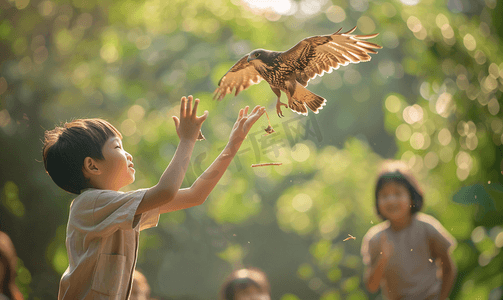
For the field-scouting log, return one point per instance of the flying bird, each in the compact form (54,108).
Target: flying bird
(291,70)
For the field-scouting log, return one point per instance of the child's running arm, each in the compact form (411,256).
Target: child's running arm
(375,273)
(202,187)
(448,267)
(187,128)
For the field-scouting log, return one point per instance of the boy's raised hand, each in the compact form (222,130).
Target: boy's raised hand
(244,123)
(189,124)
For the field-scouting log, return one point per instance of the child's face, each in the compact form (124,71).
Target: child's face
(117,166)
(394,201)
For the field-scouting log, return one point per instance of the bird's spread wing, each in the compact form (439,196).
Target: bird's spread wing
(239,77)
(319,54)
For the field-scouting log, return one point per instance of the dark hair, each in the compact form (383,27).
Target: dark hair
(8,258)
(395,171)
(243,279)
(65,149)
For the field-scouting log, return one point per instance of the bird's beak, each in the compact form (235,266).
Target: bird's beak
(250,58)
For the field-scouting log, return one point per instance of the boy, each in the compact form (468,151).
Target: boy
(86,157)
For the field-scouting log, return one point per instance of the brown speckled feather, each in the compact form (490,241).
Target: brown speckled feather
(319,54)
(239,77)
(287,71)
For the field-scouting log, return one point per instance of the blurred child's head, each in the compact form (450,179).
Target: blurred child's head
(66,148)
(395,175)
(246,284)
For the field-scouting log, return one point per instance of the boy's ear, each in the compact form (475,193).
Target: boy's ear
(90,167)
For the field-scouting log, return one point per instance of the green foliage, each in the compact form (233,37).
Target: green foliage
(432,97)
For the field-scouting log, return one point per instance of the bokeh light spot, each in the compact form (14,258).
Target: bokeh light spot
(136,113)
(444,137)
(478,234)
(414,24)
(403,132)
(302,202)
(417,140)
(393,104)
(444,105)
(336,14)
(128,127)
(366,24)
(441,20)
(469,42)
(431,160)
(300,152)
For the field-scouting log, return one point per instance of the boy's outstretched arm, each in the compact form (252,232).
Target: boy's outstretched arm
(187,128)
(204,184)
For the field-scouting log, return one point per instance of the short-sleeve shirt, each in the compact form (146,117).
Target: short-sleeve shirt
(411,269)
(102,244)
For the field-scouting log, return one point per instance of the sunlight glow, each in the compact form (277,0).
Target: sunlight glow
(282,7)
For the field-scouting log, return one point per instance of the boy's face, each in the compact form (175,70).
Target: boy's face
(117,165)
(394,201)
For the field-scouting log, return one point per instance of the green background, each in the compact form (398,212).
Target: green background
(431,97)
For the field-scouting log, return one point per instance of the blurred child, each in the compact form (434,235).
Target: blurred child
(246,284)
(403,254)
(8,262)
(86,157)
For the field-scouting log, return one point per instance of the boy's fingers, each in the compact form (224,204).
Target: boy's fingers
(240,115)
(246,110)
(257,113)
(242,121)
(183,104)
(189,107)
(203,117)
(258,110)
(255,109)
(194,109)
(177,122)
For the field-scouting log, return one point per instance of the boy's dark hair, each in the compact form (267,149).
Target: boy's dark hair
(243,279)
(396,171)
(65,149)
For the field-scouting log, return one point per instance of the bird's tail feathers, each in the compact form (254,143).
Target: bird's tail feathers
(303,97)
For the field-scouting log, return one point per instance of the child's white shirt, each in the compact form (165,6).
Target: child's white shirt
(102,244)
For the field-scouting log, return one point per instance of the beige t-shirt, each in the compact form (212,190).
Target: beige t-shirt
(102,244)
(411,270)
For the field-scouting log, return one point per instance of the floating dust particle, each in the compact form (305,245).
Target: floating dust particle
(350,238)
(431,260)
(266,164)
(410,250)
